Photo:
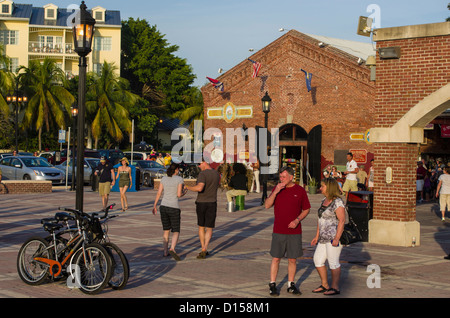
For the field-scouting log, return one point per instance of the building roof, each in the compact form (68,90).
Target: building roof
(36,15)
(355,48)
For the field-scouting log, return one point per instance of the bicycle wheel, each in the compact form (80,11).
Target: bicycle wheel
(93,268)
(31,271)
(120,266)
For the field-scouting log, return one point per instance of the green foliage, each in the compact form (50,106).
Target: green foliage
(194,107)
(48,101)
(108,101)
(149,63)
(312,182)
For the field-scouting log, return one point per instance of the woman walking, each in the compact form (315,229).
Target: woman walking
(173,187)
(329,230)
(125,181)
(443,191)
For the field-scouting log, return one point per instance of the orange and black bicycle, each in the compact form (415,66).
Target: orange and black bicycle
(69,251)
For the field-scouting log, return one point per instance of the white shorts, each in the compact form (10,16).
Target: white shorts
(326,251)
(419,185)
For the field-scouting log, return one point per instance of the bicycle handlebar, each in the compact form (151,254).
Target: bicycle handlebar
(81,213)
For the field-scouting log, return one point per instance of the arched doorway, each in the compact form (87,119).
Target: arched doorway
(301,151)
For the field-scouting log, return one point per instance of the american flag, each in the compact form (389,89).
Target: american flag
(256,68)
(216,83)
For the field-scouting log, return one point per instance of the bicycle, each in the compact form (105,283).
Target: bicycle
(121,268)
(88,262)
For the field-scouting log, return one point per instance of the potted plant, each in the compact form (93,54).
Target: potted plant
(312,186)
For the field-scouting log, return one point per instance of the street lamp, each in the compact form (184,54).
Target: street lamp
(266,101)
(83,31)
(16,98)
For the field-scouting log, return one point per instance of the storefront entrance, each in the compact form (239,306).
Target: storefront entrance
(301,151)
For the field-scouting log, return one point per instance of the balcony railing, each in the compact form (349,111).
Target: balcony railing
(39,47)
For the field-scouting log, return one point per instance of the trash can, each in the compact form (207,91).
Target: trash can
(360,211)
(240,202)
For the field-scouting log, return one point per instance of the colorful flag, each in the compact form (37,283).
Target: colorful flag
(308,77)
(256,68)
(216,83)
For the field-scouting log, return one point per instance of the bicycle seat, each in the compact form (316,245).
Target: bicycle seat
(63,216)
(48,220)
(51,227)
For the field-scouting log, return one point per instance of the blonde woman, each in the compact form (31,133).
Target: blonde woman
(125,181)
(329,230)
(443,191)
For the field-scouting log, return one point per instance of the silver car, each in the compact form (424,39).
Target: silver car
(149,170)
(89,165)
(30,168)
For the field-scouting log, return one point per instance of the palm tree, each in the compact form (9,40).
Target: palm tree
(194,110)
(107,102)
(49,102)
(6,81)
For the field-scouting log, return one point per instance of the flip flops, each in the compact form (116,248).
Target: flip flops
(332,292)
(175,256)
(320,289)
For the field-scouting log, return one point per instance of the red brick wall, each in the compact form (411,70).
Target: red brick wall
(401,83)
(395,201)
(342,99)
(423,68)
(17,187)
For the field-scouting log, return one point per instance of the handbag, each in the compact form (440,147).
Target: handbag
(350,234)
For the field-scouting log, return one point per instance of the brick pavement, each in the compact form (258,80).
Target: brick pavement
(239,261)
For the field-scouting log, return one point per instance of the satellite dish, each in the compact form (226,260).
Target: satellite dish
(217,155)
(364,26)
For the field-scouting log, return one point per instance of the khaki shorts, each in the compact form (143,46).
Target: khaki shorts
(350,185)
(104,188)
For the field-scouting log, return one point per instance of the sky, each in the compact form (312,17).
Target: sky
(219,34)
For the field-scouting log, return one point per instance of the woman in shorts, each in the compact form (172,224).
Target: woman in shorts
(329,230)
(173,187)
(125,182)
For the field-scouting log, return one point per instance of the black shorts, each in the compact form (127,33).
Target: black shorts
(206,214)
(170,218)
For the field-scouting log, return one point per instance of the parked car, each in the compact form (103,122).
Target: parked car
(137,155)
(149,170)
(49,155)
(112,155)
(30,168)
(3,155)
(89,166)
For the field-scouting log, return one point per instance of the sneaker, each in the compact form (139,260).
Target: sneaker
(273,290)
(293,290)
(443,219)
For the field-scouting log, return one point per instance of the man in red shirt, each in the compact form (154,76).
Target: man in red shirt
(291,206)
(421,173)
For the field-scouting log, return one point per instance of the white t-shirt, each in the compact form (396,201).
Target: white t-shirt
(445,186)
(351,166)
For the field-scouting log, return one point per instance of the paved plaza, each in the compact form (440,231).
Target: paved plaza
(239,261)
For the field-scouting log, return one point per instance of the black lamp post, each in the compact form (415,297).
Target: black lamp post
(69,159)
(266,101)
(17,98)
(83,32)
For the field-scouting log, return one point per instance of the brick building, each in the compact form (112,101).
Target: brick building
(412,90)
(315,125)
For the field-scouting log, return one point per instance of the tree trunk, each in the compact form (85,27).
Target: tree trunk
(40,143)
